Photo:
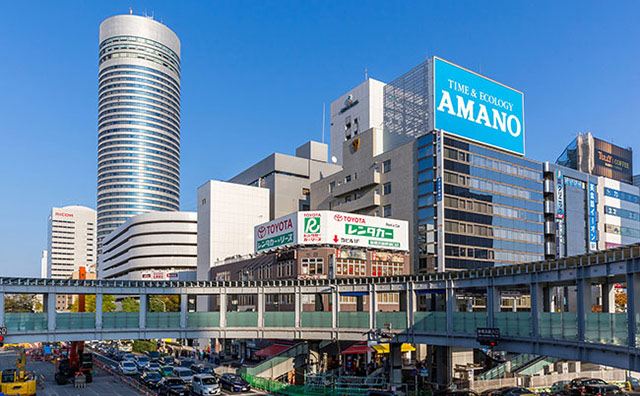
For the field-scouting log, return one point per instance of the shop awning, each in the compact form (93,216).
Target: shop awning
(272,350)
(357,349)
(355,293)
(384,348)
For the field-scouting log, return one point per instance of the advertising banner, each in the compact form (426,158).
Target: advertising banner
(593,218)
(612,161)
(475,107)
(332,228)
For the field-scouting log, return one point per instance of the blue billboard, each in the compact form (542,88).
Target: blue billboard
(471,106)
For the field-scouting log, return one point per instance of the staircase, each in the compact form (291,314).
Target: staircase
(500,370)
(277,365)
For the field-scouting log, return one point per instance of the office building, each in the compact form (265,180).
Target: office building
(138,120)
(597,157)
(636,180)
(71,241)
(288,177)
(227,215)
(354,112)
(618,213)
(152,246)
(450,160)
(323,245)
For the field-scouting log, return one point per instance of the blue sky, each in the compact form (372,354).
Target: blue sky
(255,76)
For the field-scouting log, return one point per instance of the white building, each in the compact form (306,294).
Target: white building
(227,214)
(619,208)
(71,241)
(151,246)
(354,112)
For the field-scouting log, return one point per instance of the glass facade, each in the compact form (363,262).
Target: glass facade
(493,206)
(138,123)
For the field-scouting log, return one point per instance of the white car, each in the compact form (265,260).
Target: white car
(183,373)
(205,384)
(128,367)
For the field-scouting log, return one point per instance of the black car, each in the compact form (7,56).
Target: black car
(202,369)
(187,363)
(234,383)
(591,387)
(119,355)
(154,356)
(511,391)
(452,392)
(166,361)
(151,379)
(172,386)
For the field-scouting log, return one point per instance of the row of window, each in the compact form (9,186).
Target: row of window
(103,182)
(137,186)
(135,67)
(122,110)
(136,107)
(465,192)
(480,230)
(126,77)
(140,143)
(104,76)
(610,192)
(137,149)
(489,174)
(385,268)
(481,207)
(141,174)
(175,100)
(492,163)
(312,266)
(170,104)
(120,115)
(623,213)
(136,39)
(114,50)
(118,100)
(624,231)
(150,159)
(174,132)
(135,194)
(139,56)
(142,168)
(485,185)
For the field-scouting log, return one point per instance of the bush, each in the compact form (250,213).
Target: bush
(142,346)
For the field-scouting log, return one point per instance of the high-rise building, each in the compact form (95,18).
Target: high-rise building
(591,155)
(288,177)
(138,120)
(43,264)
(450,160)
(71,241)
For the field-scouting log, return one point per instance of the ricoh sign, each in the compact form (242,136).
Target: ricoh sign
(472,106)
(332,228)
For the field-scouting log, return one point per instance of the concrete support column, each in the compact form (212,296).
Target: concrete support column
(334,307)
(583,305)
(608,297)
(547,299)
(51,311)
(98,311)
(2,309)
(184,301)
(260,307)
(537,306)
(450,296)
(297,307)
(142,319)
(412,305)
(372,306)
(223,309)
(395,374)
(493,304)
(633,306)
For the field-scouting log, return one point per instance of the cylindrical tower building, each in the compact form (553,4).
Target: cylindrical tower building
(138,120)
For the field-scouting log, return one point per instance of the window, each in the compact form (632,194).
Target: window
(349,267)
(347,179)
(388,298)
(305,191)
(386,166)
(386,188)
(347,198)
(387,211)
(332,185)
(312,266)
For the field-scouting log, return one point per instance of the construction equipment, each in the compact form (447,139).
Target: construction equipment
(77,361)
(18,381)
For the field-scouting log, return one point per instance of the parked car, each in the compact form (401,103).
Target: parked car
(512,391)
(151,379)
(172,386)
(591,387)
(129,356)
(127,367)
(205,384)
(166,371)
(456,392)
(154,356)
(377,392)
(183,373)
(153,366)
(165,360)
(202,369)
(118,355)
(187,363)
(142,362)
(234,383)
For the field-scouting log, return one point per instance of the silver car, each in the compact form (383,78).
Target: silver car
(128,367)
(205,384)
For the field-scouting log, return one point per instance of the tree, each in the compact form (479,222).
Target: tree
(21,303)
(108,303)
(621,301)
(130,304)
(164,303)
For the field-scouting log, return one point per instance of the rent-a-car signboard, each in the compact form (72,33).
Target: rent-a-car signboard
(475,107)
(324,227)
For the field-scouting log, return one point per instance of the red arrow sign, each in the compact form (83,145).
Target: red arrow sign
(335,238)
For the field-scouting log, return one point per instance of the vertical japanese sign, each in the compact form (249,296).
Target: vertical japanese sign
(593,218)
(560,213)
(440,203)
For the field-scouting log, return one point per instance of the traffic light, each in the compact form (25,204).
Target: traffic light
(1,341)
(488,337)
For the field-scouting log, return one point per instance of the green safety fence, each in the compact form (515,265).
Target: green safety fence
(300,390)
(120,320)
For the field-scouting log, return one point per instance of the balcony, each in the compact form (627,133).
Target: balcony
(549,227)
(549,186)
(368,200)
(365,179)
(549,207)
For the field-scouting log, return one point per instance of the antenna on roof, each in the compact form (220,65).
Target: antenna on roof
(130,11)
(366,74)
